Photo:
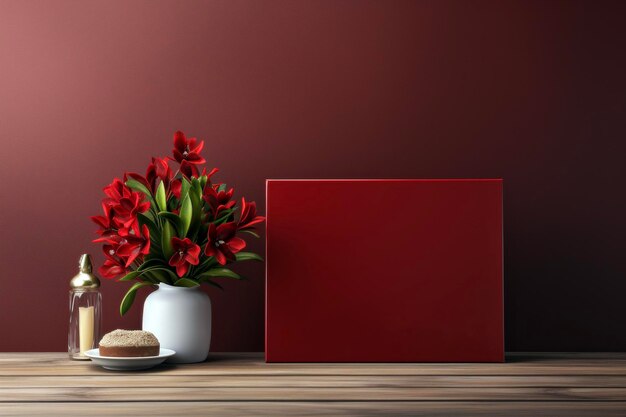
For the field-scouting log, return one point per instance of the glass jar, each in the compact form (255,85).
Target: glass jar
(85,311)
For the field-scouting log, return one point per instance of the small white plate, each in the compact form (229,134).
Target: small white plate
(128,363)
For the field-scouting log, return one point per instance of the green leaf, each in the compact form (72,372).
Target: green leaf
(152,270)
(205,264)
(196,187)
(150,213)
(155,232)
(206,280)
(166,240)
(173,218)
(161,275)
(222,187)
(155,276)
(167,271)
(151,264)
(130,276)
(196,213)
(184,189)
(136,274)
(161,199)
(143,219)
(128,299)
(219,272)
(251,232)
(186,282)
(137,186)
(224,217)
(203,180)
(248,256)
(186,211)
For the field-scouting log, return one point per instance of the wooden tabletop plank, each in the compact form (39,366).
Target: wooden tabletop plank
(41,364)
(67,394)
(243,384)
(285,408)
(138,380)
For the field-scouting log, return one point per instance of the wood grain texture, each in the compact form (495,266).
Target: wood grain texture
(253,364)
(242,384)
(311,394)
(314,381)
(361,408)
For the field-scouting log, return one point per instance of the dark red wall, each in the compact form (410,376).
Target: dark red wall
(533,92)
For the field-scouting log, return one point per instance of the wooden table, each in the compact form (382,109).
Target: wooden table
(242,384)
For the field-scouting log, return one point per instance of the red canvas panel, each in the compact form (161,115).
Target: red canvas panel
(384,271)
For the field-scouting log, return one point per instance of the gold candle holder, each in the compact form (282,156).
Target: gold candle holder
(85,310)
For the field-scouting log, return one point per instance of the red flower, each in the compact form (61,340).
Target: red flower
(150,184)
(127,245)
(133,243)
(113,266)
(210,174)
(185,253)
(113,239)
(176,187)
(158,168)
(222,242)
(248,215)
(128,207)
(105,222)
(218,200)
(187,149)
(161,168)
(189,170)
(115,192)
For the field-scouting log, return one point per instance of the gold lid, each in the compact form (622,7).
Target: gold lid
(85,278)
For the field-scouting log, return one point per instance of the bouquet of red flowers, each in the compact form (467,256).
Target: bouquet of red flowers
(173,227)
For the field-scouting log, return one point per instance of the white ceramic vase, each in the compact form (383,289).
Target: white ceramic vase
(180,318)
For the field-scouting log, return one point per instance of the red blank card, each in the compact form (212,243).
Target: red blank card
(384,271)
